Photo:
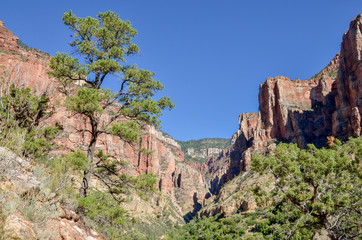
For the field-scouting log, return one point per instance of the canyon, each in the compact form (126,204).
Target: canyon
(181,184)
(299,111)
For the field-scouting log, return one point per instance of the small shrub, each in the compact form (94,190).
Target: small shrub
(105,213)
(146,182)
(21,112)
(27,48)
(36,206)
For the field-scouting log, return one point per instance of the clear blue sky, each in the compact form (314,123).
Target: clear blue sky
(210,55)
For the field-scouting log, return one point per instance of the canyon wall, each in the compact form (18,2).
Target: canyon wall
(303,112)
(308,111)
(346,120)
(176,178)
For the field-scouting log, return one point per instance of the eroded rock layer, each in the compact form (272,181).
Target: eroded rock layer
(177,179)
(303,112)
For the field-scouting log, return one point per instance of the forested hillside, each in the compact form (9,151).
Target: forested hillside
(200,150)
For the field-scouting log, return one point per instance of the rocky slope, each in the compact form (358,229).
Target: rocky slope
(40,216)
(214,170)
(181,184)
(329,104)
(199,151)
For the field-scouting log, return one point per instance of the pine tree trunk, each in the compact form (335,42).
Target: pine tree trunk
(87,173)
(85,183)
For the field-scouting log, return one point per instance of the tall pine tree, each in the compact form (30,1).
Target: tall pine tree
(103,44)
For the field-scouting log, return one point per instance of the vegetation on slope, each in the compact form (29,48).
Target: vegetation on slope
(107,42)
(103,45)
(21,111)
(317,191)
(27,48)
(200,146)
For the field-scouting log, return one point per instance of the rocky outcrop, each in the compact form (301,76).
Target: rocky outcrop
(16,226)
(303,112)
(180,180)
(29,216)
(200,150)
(23,67)
(346,119)
(205,152)
(215,169)
(299,111)
(234,196)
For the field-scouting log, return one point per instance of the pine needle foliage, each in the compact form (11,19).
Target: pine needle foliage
(315,189)
(103,44)
(21,113)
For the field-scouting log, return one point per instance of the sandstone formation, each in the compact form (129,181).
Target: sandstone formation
(303,112)
(24,67)
(204,152)
(234,196)
(308,111)
(62,228)
(346,120)
(214,170)
(180,181)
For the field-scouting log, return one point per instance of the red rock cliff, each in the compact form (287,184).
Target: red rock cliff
(303,112)
(180,180)
(27,66)
(346,119)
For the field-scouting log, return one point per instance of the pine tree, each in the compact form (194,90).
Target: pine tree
(103,44)
(315,189)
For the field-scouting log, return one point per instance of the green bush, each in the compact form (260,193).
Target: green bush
(105,213)
(210,228)
(146,182)
(315,189)
(21,112)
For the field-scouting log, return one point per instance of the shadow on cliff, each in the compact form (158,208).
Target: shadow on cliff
(305,127)
(315,125)
(197,206)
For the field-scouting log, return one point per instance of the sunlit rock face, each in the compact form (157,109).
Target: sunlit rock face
(346,119)
(289,110)
(299,111)
(307,111)
(23,66)
(178,179)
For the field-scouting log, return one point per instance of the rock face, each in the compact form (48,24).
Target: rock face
(307,111)
(47,221)
(181,181)
(346,119)
(329,104)
(215,169)
(16,226)
(27,67)
(199,151)
(205,152)
(234,196)
(303,112)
